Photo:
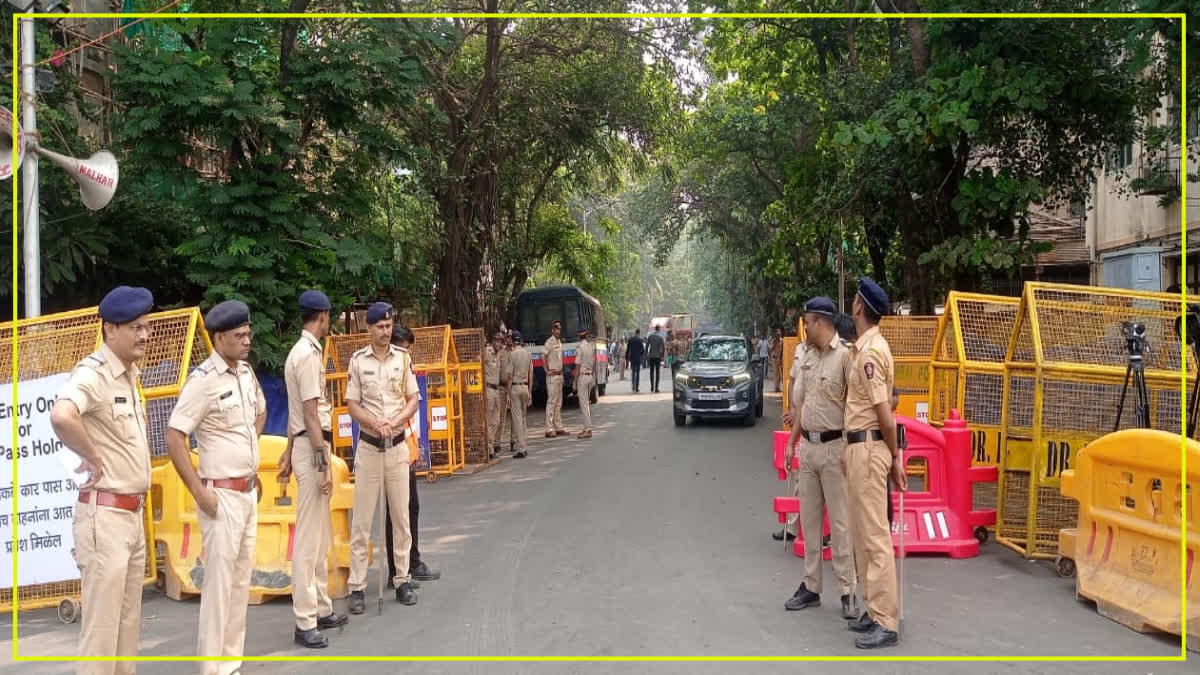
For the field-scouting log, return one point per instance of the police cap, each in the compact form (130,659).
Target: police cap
(583,330)
(227,316)
(125,303)
(873,295)
(315,301)
(380,311)
(820,305)
(515,335)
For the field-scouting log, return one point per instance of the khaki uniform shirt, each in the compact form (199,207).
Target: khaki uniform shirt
(106,394)
(492,366)
(221,406)
(822,384)
(794,373)
(552,356)
(380,387)
(585,357)
(869,380)
(304,377)
(519,365)
(505,364)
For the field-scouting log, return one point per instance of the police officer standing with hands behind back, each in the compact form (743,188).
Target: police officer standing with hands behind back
(520,375)
(223,405)
(382,394)
(98,414)
(872,455)
(552,359)
(309,438)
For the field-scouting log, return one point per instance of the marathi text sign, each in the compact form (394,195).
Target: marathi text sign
(45,493)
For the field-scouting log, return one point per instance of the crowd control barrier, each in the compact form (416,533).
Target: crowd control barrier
(436,359)
(178,540)
(1066,369)
(789,352)
(469,344)
(938,517)
(968,374)
(911,340)
(1125,549)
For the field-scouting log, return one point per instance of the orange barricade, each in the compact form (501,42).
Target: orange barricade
(938,517)
(1125,547)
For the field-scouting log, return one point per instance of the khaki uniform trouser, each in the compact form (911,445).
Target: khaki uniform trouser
(371,467)
(584,391)
(516,404)
(228,542)
(314,536)
(821,486)
(867,468)
(110,547)
(495,413)
(554,392)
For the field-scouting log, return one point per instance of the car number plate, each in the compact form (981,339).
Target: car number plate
(711,396)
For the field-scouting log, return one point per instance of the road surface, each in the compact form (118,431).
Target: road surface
(646,540)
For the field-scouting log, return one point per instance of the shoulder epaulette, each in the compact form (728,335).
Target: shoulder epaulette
(361,351)
(92,361)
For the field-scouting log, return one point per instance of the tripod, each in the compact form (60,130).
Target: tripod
(1135,341)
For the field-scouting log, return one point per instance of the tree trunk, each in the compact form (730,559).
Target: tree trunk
(918,45)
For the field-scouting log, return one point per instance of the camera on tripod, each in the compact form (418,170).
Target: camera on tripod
(1135,337)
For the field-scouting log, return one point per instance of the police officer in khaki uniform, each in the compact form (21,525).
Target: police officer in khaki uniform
(506,428)
(99,416)
(493,370)
(381,394)
(818,406)
(585,375)
(310,436)
(222,404)
(552,361)
(519,399)
(871,456)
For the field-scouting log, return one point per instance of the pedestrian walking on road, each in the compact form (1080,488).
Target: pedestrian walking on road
(635,351)
(656,345)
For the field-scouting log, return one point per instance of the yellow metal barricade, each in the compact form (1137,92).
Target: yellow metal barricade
(179,544)
(1066,366)
(338,350)
(967,374)
(53,344)
(469,345)
(911,340)
(435,357)
(1125,548)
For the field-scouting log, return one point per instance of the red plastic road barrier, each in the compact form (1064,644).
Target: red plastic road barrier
(939,518)
(781,438)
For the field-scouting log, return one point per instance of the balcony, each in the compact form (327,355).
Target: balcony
(1157,174)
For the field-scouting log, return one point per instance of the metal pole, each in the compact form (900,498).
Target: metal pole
(31,244)
(841,269)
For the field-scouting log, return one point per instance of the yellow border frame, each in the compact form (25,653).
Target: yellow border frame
(682,15)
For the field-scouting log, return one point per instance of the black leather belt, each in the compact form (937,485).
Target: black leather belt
(378,442)
(327,435)
(519,384)
(861,436)
(822,436)
(493,386)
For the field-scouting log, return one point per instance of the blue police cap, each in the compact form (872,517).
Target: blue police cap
(315,301)
(377,312)
(515,335)
(227,316)
(126,303)
(820,305)
(873,295)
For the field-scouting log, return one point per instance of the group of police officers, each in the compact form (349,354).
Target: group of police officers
(841,419)
(99,415)
(843,426)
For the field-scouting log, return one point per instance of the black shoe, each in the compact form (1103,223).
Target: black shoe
(405,595)
(512,448)
(520,455)
(333,621)
(863,624)
(801,599)
(391,580)
(825,541)
(358,602)
(849,611)
(311,638)
(878,637)
(778,536)
(422,573)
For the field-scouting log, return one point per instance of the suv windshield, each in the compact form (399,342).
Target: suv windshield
(718,350)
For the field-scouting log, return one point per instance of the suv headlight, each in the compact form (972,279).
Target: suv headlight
(741,378)
(681,380)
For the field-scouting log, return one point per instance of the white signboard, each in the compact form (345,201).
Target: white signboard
(923,412)
(45,493)
(437,418)
(345,426)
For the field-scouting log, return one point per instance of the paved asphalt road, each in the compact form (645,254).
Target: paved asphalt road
(646,540)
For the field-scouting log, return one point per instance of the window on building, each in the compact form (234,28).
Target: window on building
(1193,275)
(1120,157)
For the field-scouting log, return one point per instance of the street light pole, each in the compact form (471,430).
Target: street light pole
(31,244)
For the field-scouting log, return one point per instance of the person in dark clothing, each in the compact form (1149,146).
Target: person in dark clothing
(403,338)
(635,351)
(655,350)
